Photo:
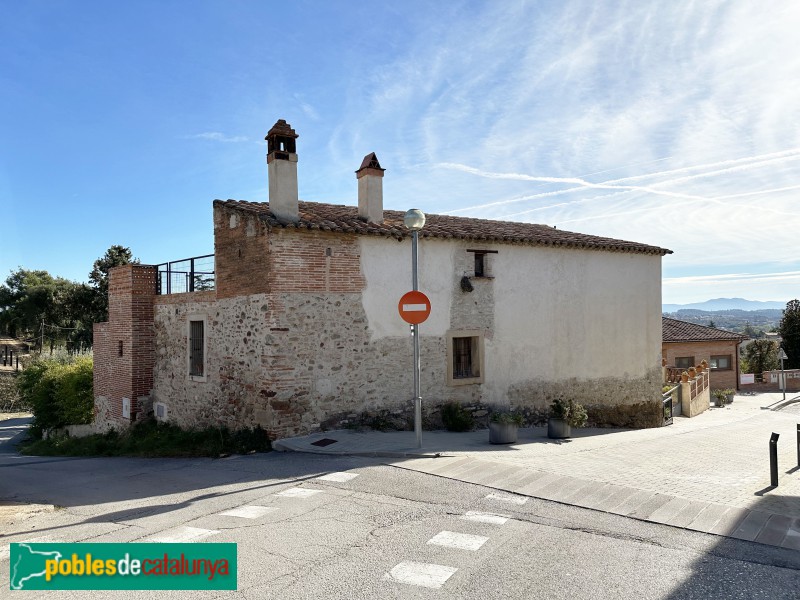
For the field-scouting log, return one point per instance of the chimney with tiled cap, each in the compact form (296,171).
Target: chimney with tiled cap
(370,189)
(282,171)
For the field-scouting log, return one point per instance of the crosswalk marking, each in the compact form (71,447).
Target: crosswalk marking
(462,541)
(510,498)
(297,492)
(182,534)
(484,517)
(248,512)
(422,574)
(338,477)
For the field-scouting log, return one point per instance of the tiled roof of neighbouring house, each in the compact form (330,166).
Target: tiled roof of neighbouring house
(337,218)
(673,330)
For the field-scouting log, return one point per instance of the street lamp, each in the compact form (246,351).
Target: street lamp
(414,219)
(782,357)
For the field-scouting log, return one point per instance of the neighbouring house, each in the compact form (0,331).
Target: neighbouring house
(300,331)
(685,345)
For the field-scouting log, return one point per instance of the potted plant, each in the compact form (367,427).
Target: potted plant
(729,395)
(564,415)
(692,372)
(719,396)
(685,377)
(503,426)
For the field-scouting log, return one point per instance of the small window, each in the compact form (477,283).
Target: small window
(684,362)
(196,348)
(721,363)
(464,357)
(479,264)
(119,350)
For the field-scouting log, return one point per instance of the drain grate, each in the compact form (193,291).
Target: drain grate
(324,442)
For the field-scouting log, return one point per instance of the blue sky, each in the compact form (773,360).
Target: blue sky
(670,123)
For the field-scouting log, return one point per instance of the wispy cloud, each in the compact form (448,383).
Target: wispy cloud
(216,136)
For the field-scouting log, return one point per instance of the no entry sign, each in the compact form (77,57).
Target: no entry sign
(414,307)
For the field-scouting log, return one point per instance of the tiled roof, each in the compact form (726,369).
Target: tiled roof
(673,330)
(337,218)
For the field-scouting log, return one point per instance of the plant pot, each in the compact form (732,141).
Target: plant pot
(684,378)
(720,402)
(692,372)
(502,433)
(729,398)
(558,429)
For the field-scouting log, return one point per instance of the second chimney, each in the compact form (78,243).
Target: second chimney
(282,172)
(370,189)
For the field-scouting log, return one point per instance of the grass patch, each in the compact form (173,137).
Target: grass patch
(152,439)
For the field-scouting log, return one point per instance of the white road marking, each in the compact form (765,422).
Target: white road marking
(484,517)
(508,498)
(421,574)
(462,541)
(338,477)
(182,534)
(297,492)
(248,512)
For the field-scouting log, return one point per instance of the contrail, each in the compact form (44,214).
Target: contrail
(738,165)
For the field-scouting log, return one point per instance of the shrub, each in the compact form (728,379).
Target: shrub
(59,390)
(570,411)
(9,396)
(456,418)
(507,417)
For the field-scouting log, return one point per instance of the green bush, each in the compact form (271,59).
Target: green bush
(153,439)
(456,418)
(9,396)
(58,390)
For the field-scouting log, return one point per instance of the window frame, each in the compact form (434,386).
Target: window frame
(716,358)
(476,356)
(690,361)
(194,318)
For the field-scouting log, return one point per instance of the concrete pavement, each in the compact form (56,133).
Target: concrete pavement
(709,473)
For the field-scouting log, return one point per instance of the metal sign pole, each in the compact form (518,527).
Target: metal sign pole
(415,331)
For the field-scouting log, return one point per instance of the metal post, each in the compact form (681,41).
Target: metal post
(773,459)
(783,381)
(415,332)
(798,444)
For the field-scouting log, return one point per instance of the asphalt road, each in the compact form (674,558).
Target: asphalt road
(380,534)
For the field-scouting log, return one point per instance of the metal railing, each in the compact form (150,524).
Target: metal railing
(194,274)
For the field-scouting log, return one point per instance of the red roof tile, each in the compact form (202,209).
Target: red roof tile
(338,218)
(673,330)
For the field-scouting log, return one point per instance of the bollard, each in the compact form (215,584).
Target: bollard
(773,459)
(798,444)
(18,361)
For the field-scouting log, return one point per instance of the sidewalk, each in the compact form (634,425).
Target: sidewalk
(709,473)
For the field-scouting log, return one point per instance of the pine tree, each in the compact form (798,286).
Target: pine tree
(790,332)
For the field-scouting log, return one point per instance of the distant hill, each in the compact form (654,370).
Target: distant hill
(724,304)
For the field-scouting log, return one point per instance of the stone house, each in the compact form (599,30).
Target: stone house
(685,345)
(301,330)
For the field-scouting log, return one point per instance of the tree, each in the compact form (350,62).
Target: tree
(789,329)
(759,356)
(711,323)
(35,305)
(115,256)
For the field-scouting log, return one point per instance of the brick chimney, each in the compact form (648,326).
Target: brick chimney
(282,171)
(370,189)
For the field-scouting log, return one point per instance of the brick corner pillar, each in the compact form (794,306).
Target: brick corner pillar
(124,351)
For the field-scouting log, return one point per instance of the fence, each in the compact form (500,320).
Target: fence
(194,274)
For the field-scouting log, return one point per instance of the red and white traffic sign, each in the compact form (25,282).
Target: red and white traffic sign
(414,307)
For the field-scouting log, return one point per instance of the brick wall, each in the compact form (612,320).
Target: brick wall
(720,379)
(123,347)
(241,249)
(314,261)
